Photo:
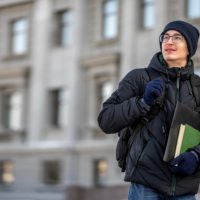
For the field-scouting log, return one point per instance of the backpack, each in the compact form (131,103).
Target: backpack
(126,135)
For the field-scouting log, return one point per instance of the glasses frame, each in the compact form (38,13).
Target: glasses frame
(173,38)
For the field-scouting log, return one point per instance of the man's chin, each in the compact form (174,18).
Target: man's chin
(170,57)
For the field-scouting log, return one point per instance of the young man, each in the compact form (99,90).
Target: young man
(151,178)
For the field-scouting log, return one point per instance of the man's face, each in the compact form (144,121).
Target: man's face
(174,48)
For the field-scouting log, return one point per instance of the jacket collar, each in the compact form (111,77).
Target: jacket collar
(159,64)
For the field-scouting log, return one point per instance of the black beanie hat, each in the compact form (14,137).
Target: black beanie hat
(190,33)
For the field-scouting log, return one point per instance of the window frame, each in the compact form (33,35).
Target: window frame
(17,33)
(146,4)
(57,107)
(61,25)
(100,180)
(100,83)
(106,16)
(2,171)
(45,170)
(6,125)
(188,13)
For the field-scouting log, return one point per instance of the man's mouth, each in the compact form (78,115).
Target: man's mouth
(169,50)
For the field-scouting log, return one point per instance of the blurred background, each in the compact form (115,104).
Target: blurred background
(59,60)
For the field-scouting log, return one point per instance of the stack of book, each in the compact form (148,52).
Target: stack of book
(184,132)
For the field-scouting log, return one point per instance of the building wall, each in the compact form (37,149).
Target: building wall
(78,69)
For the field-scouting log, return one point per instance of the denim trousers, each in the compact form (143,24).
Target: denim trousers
(140,192)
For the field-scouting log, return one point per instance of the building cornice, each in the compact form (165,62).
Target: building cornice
(99,60)
(15,72)
(6,3)
(85,146)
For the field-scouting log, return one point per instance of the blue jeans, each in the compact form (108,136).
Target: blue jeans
(140,192)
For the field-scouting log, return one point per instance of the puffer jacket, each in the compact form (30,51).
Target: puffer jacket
(145,163)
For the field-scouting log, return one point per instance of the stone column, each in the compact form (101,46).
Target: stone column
(75,87)
(129,41)
(40,47)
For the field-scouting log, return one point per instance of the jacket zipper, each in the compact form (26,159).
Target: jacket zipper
(173,185)
(165,136)
(173,188)
(178,86)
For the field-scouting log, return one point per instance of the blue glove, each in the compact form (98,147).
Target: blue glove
(153,90)
(185,164)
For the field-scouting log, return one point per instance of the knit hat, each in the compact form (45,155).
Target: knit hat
(190,33)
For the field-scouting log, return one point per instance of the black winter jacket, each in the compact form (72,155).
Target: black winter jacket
(124,108)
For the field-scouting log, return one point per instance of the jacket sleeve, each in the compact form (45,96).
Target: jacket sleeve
(197,150)
(124,107)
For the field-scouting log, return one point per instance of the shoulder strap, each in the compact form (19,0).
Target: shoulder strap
(195,83)
(152,74)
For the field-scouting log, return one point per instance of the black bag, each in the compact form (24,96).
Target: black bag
(126,137)
(122,147)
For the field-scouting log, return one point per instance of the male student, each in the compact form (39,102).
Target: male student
(151,178)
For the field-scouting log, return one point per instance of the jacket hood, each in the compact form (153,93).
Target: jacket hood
(158,64)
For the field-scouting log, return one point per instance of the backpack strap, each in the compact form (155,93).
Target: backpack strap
(152,74)
(195,83)
(132,130)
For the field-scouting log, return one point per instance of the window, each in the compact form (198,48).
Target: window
(105,90)
(19,29)
(64,28)
(51,172)
(57,107)
(11,110)
(100,172)
(6,173)
(110,18)
(148,14)
(193,9)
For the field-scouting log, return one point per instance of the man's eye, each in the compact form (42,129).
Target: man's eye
(165,37)
(177,38)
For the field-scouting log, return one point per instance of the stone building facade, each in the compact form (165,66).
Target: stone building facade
(59,59)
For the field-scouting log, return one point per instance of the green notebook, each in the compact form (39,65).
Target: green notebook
(188,137)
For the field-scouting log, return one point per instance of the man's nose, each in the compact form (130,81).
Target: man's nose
(170,40)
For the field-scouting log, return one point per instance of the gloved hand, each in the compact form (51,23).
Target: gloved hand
(153,90)
(185,164)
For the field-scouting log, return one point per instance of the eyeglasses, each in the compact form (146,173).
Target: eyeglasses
(176,39)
